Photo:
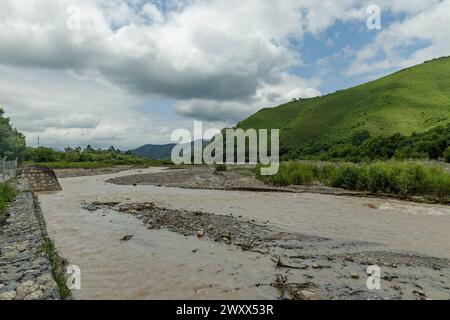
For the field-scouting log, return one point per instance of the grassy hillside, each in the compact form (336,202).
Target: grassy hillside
(412,100)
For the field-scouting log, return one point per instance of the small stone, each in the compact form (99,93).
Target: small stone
(21,247)
(12,286)
(127,238)
(45,279)
(305,295)
(27,288)
(36,295)
(420,293)
(9,295)
(355,275)
(200,233)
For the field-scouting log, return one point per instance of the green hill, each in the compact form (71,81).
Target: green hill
(412,100)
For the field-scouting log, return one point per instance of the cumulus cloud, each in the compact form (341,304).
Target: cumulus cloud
(269,94)
(90,74)
(425,27)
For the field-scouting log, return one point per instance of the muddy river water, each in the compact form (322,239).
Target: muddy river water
(159,264)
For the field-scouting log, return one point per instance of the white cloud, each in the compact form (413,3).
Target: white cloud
(427,25)
(217,60)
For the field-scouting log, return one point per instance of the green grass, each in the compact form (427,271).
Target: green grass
(412,100)
(221,167)
(58,268)
(7,194)
(400,178)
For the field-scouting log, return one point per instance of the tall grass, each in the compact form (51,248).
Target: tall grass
(403,178)
(6,195)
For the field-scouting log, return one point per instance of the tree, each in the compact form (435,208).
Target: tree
(447,155)
(359,137)
(43,154)
(12,142)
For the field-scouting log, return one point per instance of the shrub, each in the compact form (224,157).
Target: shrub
(447,155)
(403,178)
(221,167)
(6,195)
(347,177)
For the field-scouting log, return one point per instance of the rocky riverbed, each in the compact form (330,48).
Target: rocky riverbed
(25,268)
(327,268)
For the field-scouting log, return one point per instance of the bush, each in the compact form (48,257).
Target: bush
(347,177)
(6,195)
(221,167)
(447,155)
(404,178)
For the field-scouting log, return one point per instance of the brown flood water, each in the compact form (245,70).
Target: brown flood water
(158,264)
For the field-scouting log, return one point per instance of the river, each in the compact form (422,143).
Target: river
(159,264)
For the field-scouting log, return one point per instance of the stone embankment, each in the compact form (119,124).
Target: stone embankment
(25,266)
(40,178)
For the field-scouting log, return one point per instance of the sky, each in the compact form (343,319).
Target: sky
(129,72)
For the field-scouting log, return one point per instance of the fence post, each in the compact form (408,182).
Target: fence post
(15,166)
(4,169)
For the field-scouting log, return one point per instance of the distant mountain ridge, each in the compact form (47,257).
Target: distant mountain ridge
(158,151)
(154,151)
(415,99)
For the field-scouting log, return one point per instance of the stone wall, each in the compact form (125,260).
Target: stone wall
(25,269)
(40,178)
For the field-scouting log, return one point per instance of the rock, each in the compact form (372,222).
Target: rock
(12,286)
(45,279)
(11,277)
(9,295)
(420,293)
(305,295)
(200,233)
(27,288)
(320,266)
(355,275)
(36,295)
(127,238)
(21,247)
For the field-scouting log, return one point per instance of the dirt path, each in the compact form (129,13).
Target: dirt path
(167,264)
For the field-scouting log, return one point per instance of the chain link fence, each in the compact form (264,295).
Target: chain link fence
(8,169)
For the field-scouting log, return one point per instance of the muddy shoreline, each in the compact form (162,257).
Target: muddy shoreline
(304,267)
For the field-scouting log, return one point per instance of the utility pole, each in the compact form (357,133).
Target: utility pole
(39,141)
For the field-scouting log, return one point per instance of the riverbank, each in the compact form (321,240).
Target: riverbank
(26,271)
(259,242)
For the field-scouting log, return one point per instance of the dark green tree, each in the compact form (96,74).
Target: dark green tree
(12,142)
